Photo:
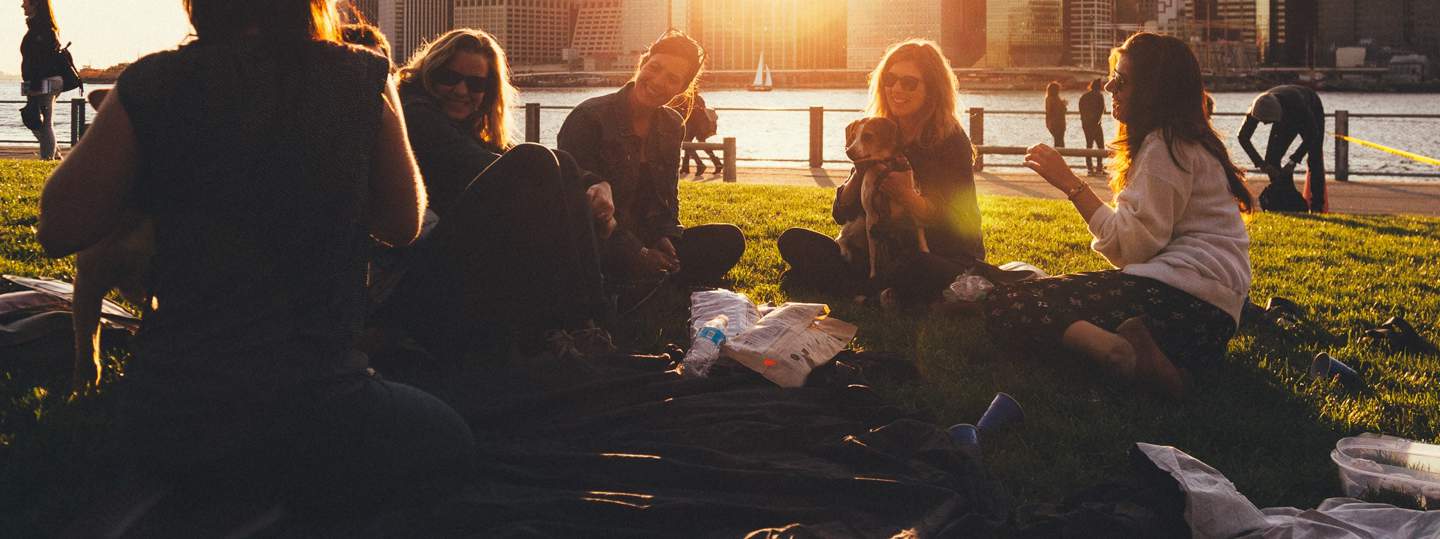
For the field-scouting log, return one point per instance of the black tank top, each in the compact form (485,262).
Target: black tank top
(255,165)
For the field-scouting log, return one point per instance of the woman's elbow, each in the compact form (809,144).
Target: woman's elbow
(397,230)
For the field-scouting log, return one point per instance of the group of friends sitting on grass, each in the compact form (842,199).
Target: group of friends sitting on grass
(279,164)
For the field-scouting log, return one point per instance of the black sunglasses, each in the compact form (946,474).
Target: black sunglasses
(449,77)
(907,82)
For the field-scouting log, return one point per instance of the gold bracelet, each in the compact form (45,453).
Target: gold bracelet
(1070,194)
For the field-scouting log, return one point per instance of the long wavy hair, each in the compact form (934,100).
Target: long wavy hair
(276,20)
(44,16)
(677,43)
(492,124)
(1168,95)
(941,113)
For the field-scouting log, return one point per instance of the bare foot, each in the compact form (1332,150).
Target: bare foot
(1153,370)
(1109,350)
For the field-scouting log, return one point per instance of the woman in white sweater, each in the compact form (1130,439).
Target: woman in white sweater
(1175,232)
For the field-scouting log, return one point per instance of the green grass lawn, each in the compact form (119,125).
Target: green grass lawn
(1255,416)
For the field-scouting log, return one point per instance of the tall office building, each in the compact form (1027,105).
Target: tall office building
(642,21)
(369,9)
(531,31)
(1021,33)
(1401,24)
(793,34)
(1089,32)
(957,25)
(597,36)
(411,23)
(1288,37)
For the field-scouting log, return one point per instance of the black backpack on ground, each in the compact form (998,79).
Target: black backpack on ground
(1281,195)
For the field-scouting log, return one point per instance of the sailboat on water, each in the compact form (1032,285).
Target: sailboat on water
(762,82)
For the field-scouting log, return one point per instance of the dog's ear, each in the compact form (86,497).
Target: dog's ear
(851,130)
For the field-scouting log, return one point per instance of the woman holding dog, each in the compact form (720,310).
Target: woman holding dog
(503,211)
(631,140)
(264,192)
(1176,232)
(915,87)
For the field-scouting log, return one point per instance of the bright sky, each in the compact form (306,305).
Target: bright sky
(104,32)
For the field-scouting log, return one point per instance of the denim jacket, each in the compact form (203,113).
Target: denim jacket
(599,135)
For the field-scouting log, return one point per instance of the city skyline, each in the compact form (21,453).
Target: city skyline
(604,34)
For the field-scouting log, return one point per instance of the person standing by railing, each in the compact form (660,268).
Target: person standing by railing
(41,65)
(1092,108)
(1055,109)
(631,140)
(700,124)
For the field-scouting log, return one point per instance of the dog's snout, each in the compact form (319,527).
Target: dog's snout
(853,153)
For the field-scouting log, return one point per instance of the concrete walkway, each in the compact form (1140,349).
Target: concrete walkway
(1364,196)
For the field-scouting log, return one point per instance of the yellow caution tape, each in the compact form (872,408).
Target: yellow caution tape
(1387,149)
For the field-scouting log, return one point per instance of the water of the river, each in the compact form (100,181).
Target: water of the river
(762,137)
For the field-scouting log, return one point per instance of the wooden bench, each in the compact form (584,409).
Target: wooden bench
(727,147)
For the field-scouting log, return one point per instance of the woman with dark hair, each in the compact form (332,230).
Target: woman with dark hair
(268,154)
(40,67)
(914,86)
(1176,232)
(1055,113)
(471,288)
(631,140)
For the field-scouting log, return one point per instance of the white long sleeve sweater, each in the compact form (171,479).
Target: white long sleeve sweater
(1178,225)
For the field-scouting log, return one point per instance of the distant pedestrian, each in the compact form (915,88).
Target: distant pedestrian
(1092,107)
(41,68)
(1295,111)
(1055,113)
(700,124)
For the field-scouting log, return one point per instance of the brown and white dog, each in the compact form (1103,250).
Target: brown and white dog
(120,261)
(873,144)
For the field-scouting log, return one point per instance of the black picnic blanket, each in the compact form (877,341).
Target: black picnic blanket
(625,447)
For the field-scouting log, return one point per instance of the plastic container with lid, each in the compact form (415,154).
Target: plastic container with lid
(1377,464)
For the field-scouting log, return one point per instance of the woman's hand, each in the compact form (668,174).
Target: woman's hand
(900,187)
(602,208)
(1048,163)
(659,258)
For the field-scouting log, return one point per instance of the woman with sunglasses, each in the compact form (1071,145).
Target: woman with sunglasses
(914,86)
(631,140)
(1176,232)
(503,210)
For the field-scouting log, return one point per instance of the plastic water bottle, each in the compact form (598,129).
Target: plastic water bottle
(705,346)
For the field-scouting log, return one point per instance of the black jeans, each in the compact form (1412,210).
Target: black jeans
(1095,138)
(706,252)
(917,278)
(515,256)
(1035,314)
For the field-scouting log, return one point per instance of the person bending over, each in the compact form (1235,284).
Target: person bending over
(1295,111)
(265,190)
(1176,233)
(513,256)
(914,86)
(631,140)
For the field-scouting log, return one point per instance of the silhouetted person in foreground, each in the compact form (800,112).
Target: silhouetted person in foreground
(1295,111)
(1092,107)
